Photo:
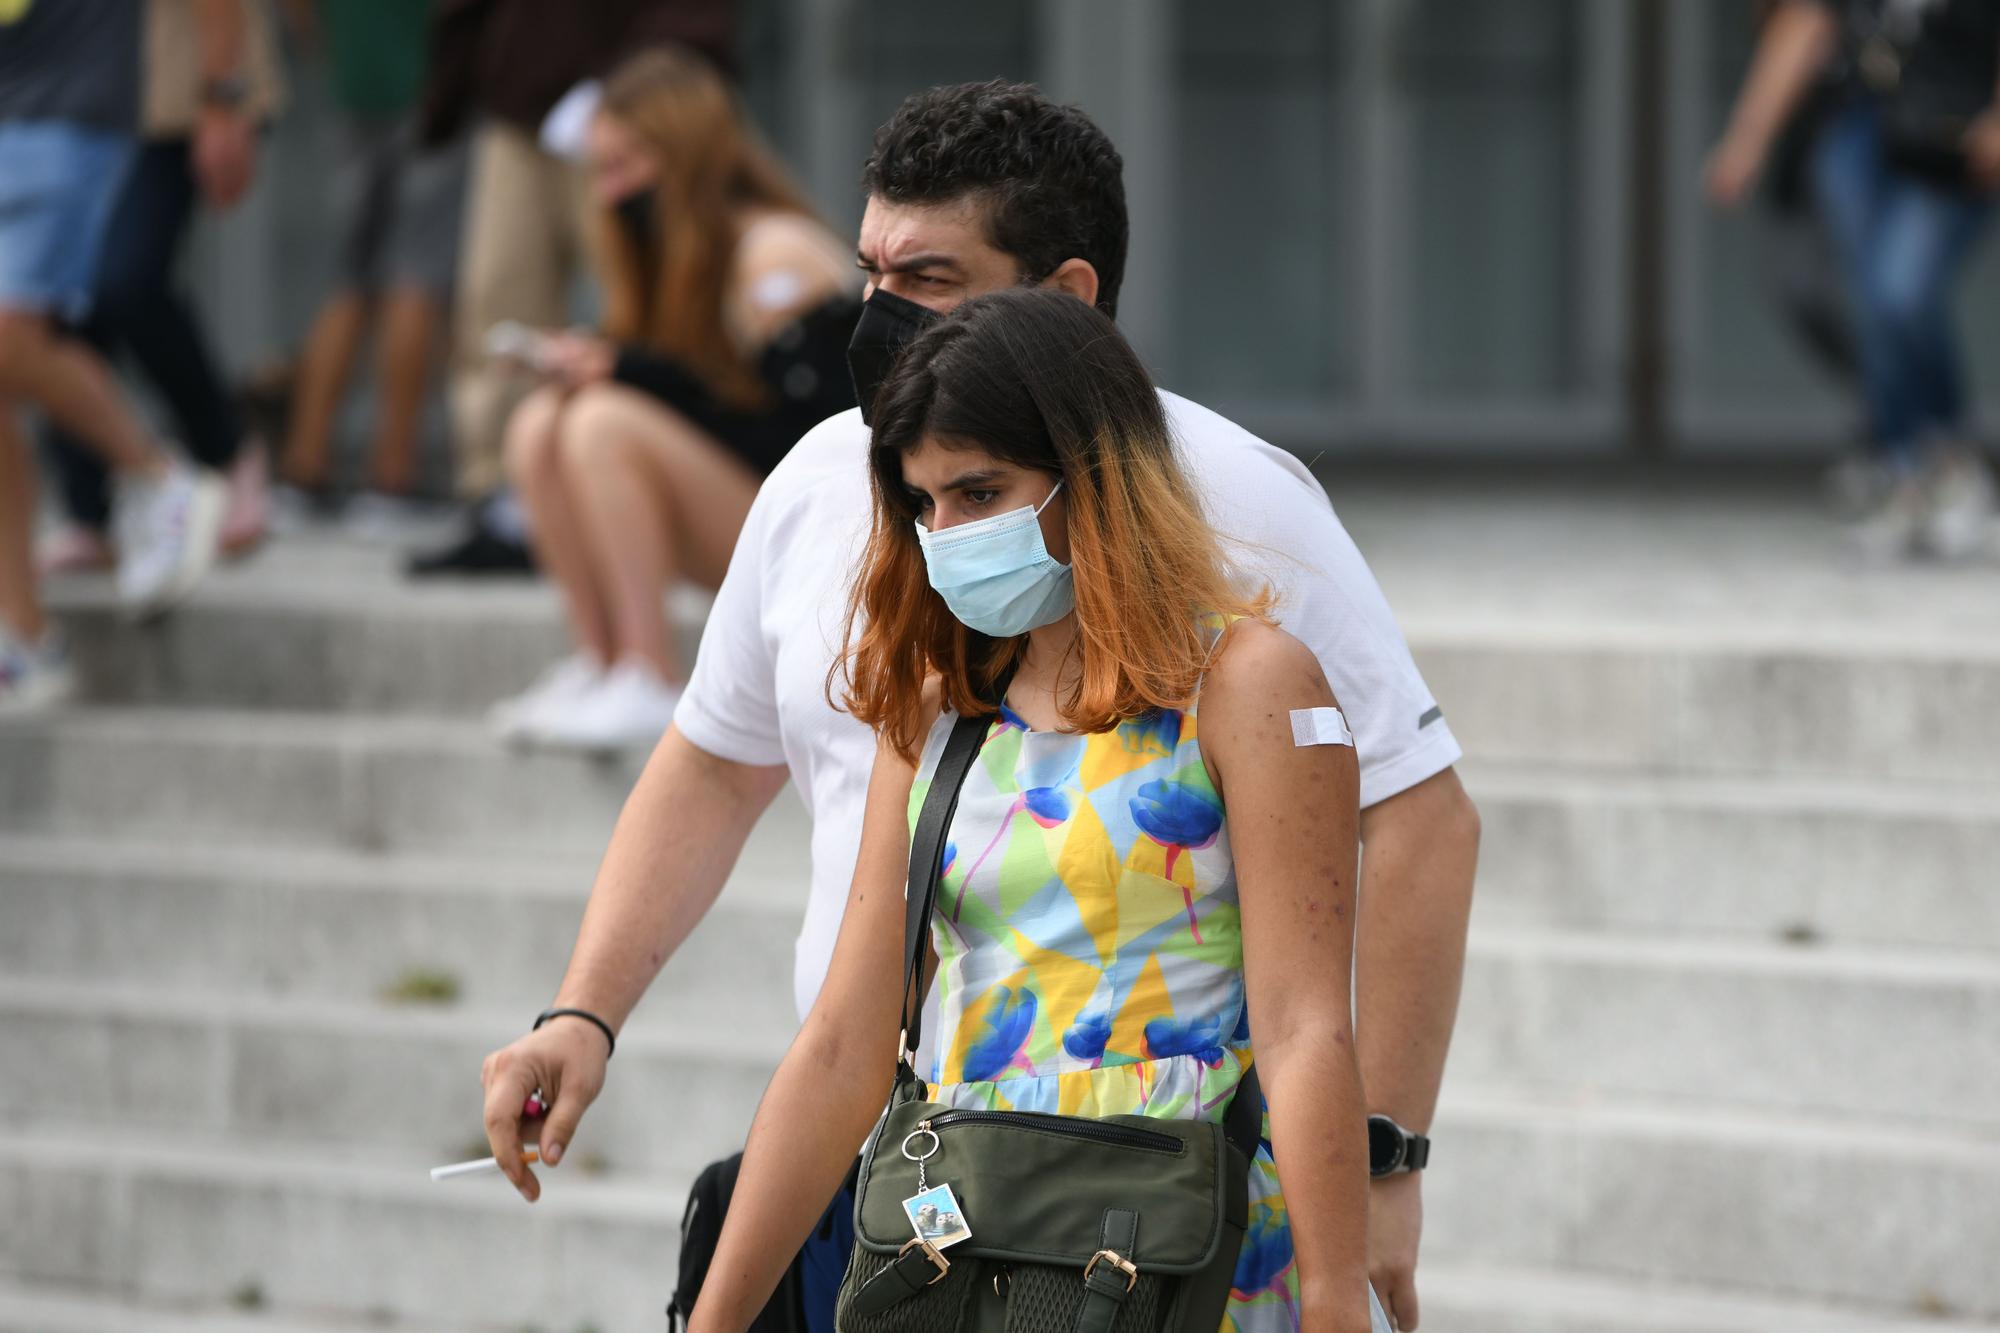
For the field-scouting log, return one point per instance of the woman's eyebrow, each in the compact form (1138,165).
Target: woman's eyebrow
(966,479)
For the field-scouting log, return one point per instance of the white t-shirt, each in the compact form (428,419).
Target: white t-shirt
(758,695)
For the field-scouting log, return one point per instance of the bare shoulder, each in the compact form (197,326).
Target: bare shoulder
(787,241)
(1260,666)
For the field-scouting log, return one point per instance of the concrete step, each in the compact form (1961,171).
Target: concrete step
(1703,1020)
(402,1079)
(1874,1212)
(1863,1214)
(259,922)
(1860,861)
(314,627)
(1479,1299)
(40,1308)
(302,780)
(1821,1030)
(189,1219)
(315,631)
(1461,1300)
(1689,699)
(1766,857)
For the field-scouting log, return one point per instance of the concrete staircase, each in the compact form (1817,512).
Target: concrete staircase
(1729,1056)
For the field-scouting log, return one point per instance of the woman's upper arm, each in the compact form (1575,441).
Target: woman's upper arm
(1293,829)
(783,271)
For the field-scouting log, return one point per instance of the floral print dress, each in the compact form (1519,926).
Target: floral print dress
(1090,952)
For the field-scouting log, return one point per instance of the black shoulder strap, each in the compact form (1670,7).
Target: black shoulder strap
(927,844)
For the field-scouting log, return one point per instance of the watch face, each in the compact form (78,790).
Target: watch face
(1385,1145)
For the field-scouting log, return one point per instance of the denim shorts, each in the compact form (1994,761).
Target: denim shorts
(58,183)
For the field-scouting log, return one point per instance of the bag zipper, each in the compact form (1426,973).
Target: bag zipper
(1074,1127)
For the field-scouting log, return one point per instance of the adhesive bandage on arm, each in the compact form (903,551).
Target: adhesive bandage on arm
(1320,726)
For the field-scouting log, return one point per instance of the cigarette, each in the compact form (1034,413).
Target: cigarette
(478,1166)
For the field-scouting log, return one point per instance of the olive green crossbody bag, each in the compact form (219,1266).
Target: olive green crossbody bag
(1019,1222)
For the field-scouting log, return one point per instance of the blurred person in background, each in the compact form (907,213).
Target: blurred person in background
(1904,172)
(398,205)
(139,307)
(501,66)
(1803,267)
(728,310)
(69,116)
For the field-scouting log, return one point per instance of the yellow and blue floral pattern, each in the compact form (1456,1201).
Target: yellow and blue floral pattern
(1090,954)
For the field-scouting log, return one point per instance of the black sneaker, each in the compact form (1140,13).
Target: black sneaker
(479,553)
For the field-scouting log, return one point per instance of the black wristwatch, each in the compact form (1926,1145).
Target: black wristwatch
(1393,1150)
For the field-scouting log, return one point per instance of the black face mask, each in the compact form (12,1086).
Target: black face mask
(639,213)
(887,325)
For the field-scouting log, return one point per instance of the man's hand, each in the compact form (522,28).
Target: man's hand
(1395,1225)
(225,156)
(563,1063)
(1982,149)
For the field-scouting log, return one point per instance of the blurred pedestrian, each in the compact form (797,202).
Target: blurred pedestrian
(69,112)
(398,205)
(139,307)
(728,310)
(501,66)
(1904,173)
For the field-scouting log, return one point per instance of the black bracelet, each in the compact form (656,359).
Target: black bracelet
(585,1015)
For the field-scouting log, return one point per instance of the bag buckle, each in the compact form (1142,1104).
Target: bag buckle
(931,1253)
(1117,1261)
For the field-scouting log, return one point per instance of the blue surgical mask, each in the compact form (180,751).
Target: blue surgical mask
(996,575)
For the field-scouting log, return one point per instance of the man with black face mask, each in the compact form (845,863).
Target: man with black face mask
(972,189)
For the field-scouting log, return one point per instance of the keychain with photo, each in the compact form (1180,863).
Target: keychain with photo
(933,1210)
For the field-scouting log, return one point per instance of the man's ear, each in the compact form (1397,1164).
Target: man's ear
(1076,277)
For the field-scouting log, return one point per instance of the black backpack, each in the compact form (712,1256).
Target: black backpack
(701,1228)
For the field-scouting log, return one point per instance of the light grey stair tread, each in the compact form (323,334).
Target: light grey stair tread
(43,1309)
(1487,1299)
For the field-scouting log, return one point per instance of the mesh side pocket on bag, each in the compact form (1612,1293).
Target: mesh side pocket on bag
(936,1309)
(1041,1299)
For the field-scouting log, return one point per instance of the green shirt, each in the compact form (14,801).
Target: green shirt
(377,52)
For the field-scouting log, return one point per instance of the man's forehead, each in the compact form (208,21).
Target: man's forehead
(894,233)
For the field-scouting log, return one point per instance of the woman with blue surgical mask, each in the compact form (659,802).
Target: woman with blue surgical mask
(1157,838)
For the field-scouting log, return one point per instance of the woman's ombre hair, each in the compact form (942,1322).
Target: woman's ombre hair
(713,163)
(1037,378)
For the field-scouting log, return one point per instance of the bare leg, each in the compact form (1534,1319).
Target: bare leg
(20,608)
(72,384)
(324,368)
(407,352)
(657,499)
(535,470)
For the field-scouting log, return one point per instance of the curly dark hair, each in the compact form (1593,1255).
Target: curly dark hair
(1053,185)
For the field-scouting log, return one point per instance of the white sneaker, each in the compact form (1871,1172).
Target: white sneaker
(558,690)
(630,707)
(168,532)
(1959,521)
(33,676)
